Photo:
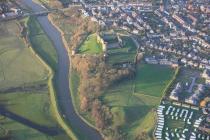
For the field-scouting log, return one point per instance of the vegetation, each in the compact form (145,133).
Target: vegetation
(41,44)
(51,85)
(153,80)
(109,98)
(185,75)
(130,109)
(24,94)
(75,27)
(173,124)
(94,77)
(133,102)
(125,54)
(91,46)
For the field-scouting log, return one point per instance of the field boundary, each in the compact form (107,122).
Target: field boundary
(150,96)
(164,94)
(170,83)
(57,114)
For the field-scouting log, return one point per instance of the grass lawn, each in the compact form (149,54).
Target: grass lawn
(17,64)
(134,110)
(39,112)
(91,46)
(19,131)
(41,43)
(74,85)
(152,79)
(125,54)
(173,124)
(20,69)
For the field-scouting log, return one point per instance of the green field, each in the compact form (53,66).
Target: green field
(154,79)
(23,89)
(125,54)
(132,101)
(91,46)
(41,44)
(12,52)
(19,131)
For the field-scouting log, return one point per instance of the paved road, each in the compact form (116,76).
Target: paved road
(62,77)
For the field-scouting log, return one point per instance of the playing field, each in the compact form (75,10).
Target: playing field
(24,95)
(133,100)
(91,46)
(152,79)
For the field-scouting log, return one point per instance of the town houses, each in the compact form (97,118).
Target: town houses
(9,11)
(169,33)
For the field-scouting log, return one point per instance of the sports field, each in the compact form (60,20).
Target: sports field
(24,97)
(153,80)
(133,101)
(91,46)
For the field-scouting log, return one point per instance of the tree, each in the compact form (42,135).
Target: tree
(142,136)
(56,4)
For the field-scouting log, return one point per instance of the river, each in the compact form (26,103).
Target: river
(62,77)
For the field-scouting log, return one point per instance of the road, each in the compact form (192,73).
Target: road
(191,85)
(62,77)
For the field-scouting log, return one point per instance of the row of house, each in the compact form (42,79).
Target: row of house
(174,95)
(160,122)
(189,59)
(7,11)
(116,14)
(195,98)
(162,61)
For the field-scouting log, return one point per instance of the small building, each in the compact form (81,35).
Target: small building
(206,76)
(175,92)
(109,40)
(165,62)
(151,60)
(184,60)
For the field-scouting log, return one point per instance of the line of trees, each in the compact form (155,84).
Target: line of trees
(95,77)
